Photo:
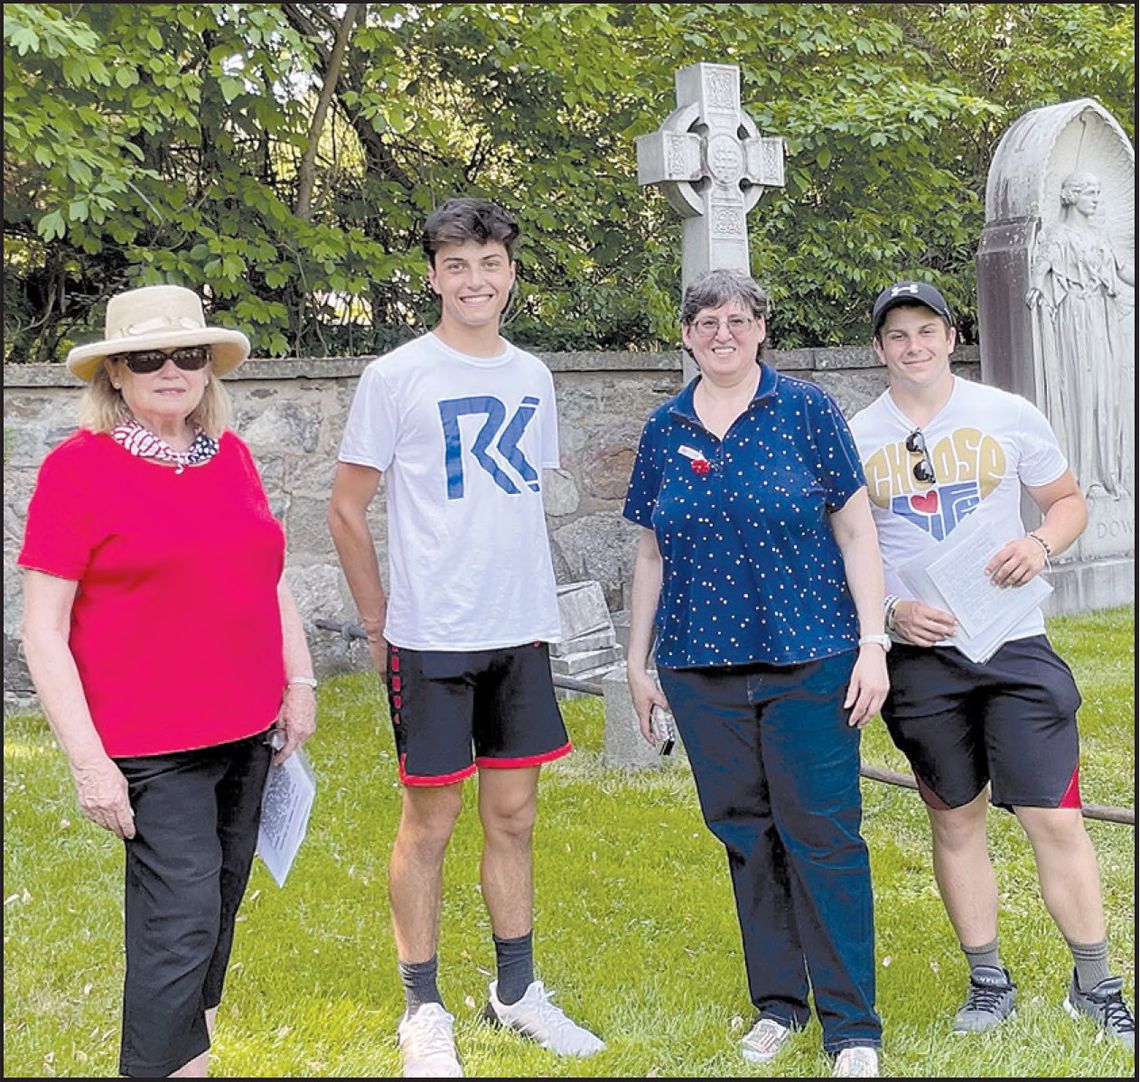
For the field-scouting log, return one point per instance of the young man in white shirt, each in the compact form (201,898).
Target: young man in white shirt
(460,422)
(936,449)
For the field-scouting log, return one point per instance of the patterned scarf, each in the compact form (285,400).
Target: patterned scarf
(145,444)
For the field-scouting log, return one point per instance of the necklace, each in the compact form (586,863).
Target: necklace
(143,443)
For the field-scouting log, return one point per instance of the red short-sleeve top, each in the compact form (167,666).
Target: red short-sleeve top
(176,626)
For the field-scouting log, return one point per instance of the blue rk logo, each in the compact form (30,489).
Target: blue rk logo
(507,445)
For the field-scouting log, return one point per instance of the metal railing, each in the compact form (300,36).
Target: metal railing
(1104,812)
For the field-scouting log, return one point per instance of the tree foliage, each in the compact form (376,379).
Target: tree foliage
(165,142)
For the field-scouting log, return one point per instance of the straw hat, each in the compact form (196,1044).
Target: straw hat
(158,317)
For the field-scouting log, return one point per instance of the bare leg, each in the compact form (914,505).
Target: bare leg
(963,870)
(415,880)
(507,803)
(1067,870)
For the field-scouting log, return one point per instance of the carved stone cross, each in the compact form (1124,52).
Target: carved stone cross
(712,163)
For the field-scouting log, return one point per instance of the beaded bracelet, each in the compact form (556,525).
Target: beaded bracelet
(1045,549)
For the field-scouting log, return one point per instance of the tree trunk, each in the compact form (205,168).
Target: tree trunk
(306,176)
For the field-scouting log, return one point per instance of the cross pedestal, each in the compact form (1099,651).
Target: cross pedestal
(712,164)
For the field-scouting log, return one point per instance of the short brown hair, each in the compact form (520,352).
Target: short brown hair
(462,219)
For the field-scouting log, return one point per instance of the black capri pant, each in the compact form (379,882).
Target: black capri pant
(196,820)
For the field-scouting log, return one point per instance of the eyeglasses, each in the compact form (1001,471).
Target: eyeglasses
(189,359)
(916,445)
(708,326)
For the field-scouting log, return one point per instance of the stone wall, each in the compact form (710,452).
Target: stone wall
(291,413)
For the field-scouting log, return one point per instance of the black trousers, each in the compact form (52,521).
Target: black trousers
(196,820)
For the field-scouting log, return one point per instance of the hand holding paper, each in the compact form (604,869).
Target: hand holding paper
(285,807)
(958,581)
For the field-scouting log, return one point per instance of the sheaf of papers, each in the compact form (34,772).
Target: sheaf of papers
(955,580)
(285,807)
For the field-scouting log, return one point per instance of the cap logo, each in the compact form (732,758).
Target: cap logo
(911,288)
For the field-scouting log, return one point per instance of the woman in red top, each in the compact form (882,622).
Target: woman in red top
(167,650)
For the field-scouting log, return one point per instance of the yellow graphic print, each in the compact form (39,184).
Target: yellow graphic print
(968,466)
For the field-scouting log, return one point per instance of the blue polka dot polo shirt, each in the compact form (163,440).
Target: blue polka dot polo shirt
(751,568)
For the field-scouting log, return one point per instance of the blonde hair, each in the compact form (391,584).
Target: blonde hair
(102,407)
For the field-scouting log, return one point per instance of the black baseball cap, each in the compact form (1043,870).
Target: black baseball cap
(908,293)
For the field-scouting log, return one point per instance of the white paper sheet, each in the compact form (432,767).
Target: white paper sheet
(285,807)
(955,580)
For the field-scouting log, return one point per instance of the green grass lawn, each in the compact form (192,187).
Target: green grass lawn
(634,926)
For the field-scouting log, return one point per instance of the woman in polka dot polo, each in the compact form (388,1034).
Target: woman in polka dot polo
(758,568)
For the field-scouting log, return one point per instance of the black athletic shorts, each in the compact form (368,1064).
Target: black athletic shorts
(454,712)
(1010,722)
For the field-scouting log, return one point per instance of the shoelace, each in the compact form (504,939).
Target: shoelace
(767,1035)
(1117,1017)
(860,1063)
(432,1037)
(984,998)
(549,1014)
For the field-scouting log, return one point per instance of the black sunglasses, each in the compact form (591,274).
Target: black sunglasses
(189,359)
(916,445)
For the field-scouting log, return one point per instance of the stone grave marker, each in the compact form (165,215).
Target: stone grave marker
(1056,311)
(712,164)
(589,644)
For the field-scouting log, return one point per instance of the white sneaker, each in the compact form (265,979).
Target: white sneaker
(764,1040)
(427,1043)
(862,1061)
(534,1016)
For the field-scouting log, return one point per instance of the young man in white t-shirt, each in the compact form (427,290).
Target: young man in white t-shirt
(460,423)
(936,449)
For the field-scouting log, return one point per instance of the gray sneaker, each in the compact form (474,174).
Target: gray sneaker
(1105,1005)
(989,1000)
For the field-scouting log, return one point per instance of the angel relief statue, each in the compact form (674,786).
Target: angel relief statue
(1082,295)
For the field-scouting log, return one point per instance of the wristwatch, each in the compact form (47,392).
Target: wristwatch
(883,640)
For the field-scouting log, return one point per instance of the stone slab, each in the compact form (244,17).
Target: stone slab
(582,606)
(597,640)
(576,664)
(1086,586)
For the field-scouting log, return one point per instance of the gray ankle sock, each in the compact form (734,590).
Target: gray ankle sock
(515,960)
(985,955)
(1091,961)
(419,983)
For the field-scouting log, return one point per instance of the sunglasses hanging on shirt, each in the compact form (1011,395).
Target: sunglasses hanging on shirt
(916,445)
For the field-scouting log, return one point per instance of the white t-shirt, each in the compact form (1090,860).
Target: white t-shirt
(461,441)
(985,444)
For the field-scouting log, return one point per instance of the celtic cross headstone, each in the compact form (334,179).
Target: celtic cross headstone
(712,164)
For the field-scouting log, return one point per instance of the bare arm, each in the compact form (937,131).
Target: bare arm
(642,613)
(100,786)
(297,717)
(858,541)
(1066,516)
(353,490)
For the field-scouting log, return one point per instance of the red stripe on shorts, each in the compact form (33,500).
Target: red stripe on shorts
(929,797)
(1072,797)
(525,760)
(427,779)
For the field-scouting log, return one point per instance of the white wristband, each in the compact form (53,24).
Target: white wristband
(883,640)
(308,681)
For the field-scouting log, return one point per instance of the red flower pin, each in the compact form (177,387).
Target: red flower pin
(697,461)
